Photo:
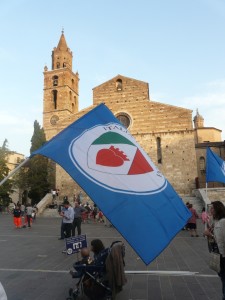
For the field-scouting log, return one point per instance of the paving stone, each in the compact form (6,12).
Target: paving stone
(33,267)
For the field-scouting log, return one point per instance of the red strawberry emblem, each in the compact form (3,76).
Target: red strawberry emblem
(111,157)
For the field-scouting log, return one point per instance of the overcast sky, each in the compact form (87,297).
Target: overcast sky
(178,47)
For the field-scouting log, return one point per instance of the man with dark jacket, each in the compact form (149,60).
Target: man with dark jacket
(77,218)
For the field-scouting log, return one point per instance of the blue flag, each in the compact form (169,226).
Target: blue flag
(215,167)
(100,154)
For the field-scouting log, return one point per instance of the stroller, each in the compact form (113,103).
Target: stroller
(103,278)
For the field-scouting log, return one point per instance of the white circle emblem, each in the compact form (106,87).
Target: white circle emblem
(109,156)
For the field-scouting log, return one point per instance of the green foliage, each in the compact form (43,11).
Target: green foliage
(38,139)
(37,175)
(6,188)
(20,181)
(33,178)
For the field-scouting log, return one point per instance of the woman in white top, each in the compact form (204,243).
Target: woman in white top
(218,213)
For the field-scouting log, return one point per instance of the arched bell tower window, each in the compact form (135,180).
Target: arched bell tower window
(159,150)
(55,80)
(119,85)
(54,94)
(64,65)
(58,65)
(202,164)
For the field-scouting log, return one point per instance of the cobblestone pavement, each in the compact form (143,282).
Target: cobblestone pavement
(32,265)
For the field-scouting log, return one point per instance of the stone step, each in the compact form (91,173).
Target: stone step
(50,212)
(197,203)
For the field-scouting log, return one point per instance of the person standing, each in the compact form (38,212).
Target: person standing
(53,195)
(62,235)
(192,223)
(217,211)
(29,210)
(17,216)
(22,207)
(95,212)
(204,216)
(67,215)
(78,210)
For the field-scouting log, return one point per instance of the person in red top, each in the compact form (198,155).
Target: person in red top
(192,225)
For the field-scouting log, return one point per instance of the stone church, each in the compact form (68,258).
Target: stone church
(165,132)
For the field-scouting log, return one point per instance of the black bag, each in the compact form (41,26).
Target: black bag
(212,245)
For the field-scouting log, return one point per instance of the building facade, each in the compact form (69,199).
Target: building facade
(164,131)
(13,159)
(206,137)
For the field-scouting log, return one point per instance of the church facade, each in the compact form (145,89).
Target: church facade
(165,132)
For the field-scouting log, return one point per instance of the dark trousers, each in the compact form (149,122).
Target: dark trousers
(222,275)
(29,217)
(67,227)
(76,223)
(62,235)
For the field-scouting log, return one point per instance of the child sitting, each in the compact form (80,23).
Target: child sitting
(86,260)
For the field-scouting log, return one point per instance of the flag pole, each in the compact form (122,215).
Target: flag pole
(14,171)
(206,205)
(206,188)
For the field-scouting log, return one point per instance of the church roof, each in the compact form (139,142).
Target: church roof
(119,76)
(62,45)
(198,116)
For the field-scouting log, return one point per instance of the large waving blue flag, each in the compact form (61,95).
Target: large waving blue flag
(215,167)
(100,154)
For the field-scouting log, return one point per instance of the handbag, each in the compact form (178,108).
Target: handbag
(214,261)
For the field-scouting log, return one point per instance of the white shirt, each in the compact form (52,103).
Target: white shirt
(68,215)
(219,232)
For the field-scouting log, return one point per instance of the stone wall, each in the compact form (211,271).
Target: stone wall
(216,194)
(149,121)
(158,127)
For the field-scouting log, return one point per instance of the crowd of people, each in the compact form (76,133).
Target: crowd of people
(213,218)
(74,216)
(215,233)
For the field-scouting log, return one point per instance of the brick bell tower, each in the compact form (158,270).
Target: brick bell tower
(61,90)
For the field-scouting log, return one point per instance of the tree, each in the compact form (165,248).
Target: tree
(6,188)
(20,180)
(38,139)
(38,167)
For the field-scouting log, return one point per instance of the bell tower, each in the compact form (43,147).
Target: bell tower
(61,90)
(198,120)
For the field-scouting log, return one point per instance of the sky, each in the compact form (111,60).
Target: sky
(178,47)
